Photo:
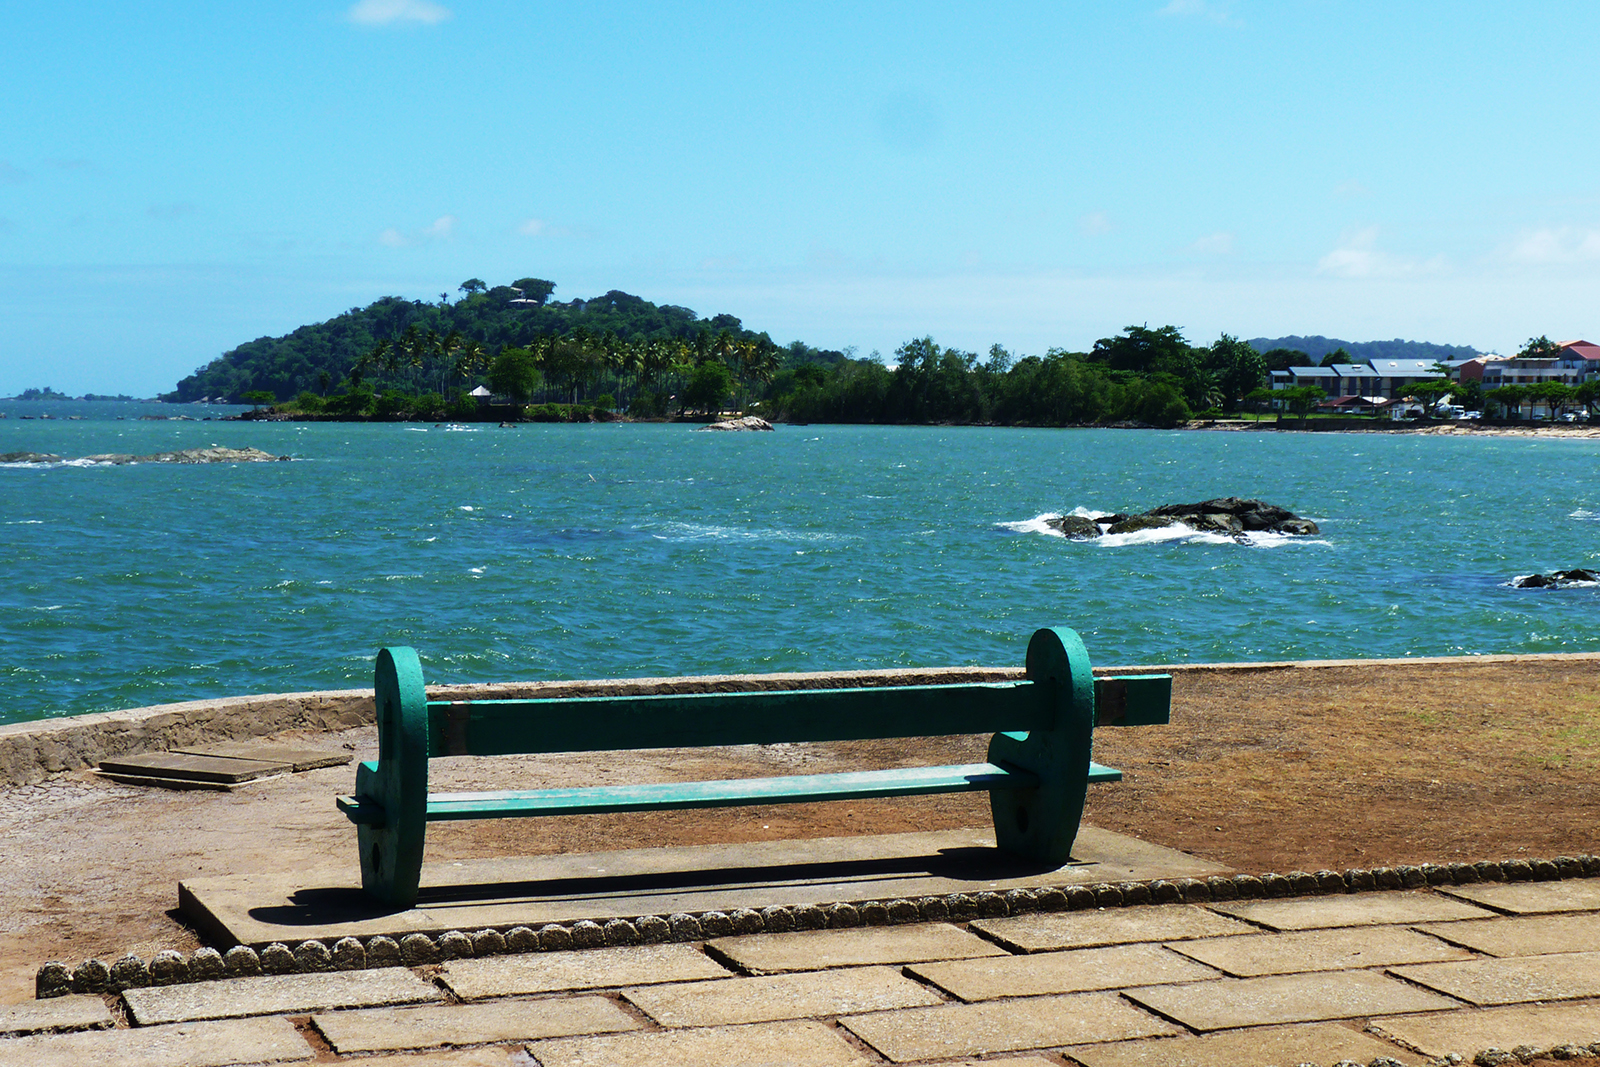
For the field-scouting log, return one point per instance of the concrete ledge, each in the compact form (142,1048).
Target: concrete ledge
(32,751)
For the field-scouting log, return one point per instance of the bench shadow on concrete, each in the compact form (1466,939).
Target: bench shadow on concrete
(317,906)
(257,908)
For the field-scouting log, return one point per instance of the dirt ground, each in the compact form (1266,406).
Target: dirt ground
(1263,770)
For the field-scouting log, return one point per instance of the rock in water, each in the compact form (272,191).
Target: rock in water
(749,422)
(1555,579)
(188,455)
(1075,527)
(1251,514)
(1229,516)
(1135,523)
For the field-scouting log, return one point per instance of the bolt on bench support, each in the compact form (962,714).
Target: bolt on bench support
(1037,775)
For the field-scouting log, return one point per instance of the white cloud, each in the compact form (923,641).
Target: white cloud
(442,228)
(389,12)
(1094,224)
(1558,244)
(1214,244)
(533,228)
(1358,256)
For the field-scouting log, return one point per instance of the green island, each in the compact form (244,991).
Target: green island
(512,352)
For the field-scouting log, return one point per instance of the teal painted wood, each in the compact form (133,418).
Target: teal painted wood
(699,720)
(1042,823)
(1133,700)
(1037,777)
(915,781)
(391,850)
(793,789)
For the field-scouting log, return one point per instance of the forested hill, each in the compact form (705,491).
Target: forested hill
(318,357)
(1364,351)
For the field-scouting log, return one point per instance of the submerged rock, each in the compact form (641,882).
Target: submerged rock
(1226,516)
(749,422)
(187,455)
(1555,579)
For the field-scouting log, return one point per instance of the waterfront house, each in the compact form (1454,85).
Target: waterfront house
(1396,376)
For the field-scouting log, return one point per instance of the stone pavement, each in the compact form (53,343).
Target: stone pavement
(1407,976)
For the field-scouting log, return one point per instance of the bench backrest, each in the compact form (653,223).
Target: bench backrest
(698,720)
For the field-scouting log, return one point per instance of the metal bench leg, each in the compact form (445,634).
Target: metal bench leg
(391,853)
(1042,823)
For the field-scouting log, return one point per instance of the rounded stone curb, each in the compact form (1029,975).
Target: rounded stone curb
(56,979)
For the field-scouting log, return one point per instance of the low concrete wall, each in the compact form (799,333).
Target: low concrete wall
(32,751)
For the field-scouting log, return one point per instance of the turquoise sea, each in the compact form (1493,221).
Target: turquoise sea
(627,550)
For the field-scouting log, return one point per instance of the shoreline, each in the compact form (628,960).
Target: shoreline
(506,421)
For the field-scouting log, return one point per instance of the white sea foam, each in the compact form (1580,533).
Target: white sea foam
(692,531)
(1583,513)
(1037,525)
(23,522)
(416,429)
(1176,533)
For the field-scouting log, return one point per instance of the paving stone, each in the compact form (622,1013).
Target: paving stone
(1512,981)
(1530,898)
(277,994)
(1004,1026)
(607,968)
(204,1044)
(76,1012)
(500,1056)
(1108,926)
(1360,909)
(862,946)
(1522,935)
(1465,1032)
(1075,971)
(1293,998)
(383,1029)
(767,1045)
(1257,1047)
(1318,950)
(784,996)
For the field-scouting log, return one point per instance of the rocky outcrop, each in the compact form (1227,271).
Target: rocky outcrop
(1555,579)
(1229,516)
(749,422)
(188,455)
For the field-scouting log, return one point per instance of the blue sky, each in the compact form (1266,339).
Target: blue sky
(176,178)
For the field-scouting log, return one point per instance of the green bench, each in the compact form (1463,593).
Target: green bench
(1037,774)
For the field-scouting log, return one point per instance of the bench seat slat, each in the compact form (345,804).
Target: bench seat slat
(910,781)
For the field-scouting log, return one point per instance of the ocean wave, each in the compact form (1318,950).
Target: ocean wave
(691,531)
(1039,524)
(1583,513)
